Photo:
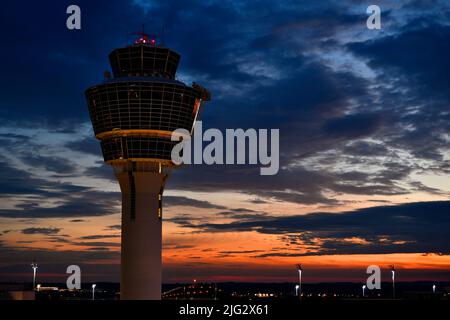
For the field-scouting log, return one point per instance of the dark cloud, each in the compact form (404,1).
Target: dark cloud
(174,246)
(99,236)
(96,244)
(257,201)
(171,201)
(9,140)
(114,227)
(412,227)
(58,239)
(365,149)
(54,164)
(242,213)
(98,249)
(72,200)
(20,182)
(353,126)
(231,253)
(81,204)
(403,53)
(15,181)
(310,191)
(273,59)
(413,76)
(88,145)
(102,171)
(183,220)
(46,231)
(239,251)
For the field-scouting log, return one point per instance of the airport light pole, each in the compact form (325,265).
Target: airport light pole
(393,281)
(299,268)
(93,291)
(34,266)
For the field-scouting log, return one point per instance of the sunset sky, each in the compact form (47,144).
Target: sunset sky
(364,119)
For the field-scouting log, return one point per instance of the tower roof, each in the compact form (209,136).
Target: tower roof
(144,59)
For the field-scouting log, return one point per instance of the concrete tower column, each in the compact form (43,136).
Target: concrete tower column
(141,234)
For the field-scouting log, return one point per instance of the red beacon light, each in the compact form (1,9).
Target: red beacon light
(143,39)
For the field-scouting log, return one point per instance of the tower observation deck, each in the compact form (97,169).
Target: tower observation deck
(133,114)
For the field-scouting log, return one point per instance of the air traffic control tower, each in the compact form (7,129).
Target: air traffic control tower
(133,114)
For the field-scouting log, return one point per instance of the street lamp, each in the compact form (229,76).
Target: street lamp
(299,268)
(93,291)
(393,281)
(296,289)
(215,291)
(34,266)
(364,289)
(434,288)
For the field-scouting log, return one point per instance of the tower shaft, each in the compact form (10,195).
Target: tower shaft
(141,234)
